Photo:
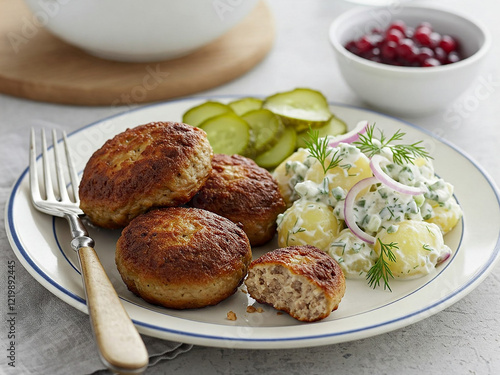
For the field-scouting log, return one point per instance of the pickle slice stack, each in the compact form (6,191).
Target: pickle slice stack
(268,130)
(300,108)
(196,115)
(280,151)
(244,105)
(228,134)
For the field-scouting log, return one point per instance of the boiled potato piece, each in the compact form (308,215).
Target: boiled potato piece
(341,176)
(284,174)
(308,223)
(447,216)
(420,246)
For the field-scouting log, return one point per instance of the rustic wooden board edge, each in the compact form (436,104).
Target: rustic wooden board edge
(49,70)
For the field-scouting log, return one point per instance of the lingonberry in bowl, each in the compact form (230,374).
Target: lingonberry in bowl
(405,45)
(411,59)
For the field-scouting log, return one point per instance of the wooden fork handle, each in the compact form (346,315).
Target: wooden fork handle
(120,345)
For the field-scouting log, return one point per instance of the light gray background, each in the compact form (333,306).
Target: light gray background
(463,339)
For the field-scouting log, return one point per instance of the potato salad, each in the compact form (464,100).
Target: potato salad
(370,201)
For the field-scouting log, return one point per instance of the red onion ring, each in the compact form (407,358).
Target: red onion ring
(443,258)
(349,217)
(351,136)
(390,182)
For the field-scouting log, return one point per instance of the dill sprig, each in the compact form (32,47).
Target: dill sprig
(401,153)
(320,150)
(380,270)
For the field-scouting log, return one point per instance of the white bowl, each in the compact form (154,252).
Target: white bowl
(401,90)
(139,30)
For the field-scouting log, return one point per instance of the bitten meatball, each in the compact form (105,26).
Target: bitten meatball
(160,164)
(301,280)
(182,257)
(245,193)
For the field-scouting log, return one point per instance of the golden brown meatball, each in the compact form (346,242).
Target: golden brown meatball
(301,280)
(182,257)
(245,193)
(157,164)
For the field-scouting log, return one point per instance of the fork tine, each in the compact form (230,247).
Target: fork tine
(72,170)
(47,179)
(63,193)
(34,187)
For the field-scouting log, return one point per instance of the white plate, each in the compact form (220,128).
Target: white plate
(42,245)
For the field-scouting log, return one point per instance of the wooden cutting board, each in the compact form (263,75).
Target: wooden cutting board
(36,65)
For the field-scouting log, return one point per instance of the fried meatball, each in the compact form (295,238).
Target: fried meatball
(245,193)
(182,257)
(301,280)
(160,164)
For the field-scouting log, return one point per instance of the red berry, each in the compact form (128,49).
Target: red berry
(394,35)
(403,45)
(453,57)
(351,47)
(435,39)
(364,44)
(423,36)
(371,54)
(398,25)
(407,50)
(440,55)
(388,50)
(448,44)
(410,31)
(424,54)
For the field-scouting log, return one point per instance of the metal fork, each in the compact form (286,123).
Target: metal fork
(120,346)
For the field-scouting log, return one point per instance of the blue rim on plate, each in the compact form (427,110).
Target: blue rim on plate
(249,342)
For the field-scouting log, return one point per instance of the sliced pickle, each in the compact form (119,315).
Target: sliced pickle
(228,134)
(266,127)
(280,151)
(244,105)
(300,108)
(334,127)
(196,115)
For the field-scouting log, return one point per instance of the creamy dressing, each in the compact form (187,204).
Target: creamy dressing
(354,256)
(297,170)
(378,210)
(384,207)
(309,190)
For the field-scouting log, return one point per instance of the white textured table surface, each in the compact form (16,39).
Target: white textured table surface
(462,339)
